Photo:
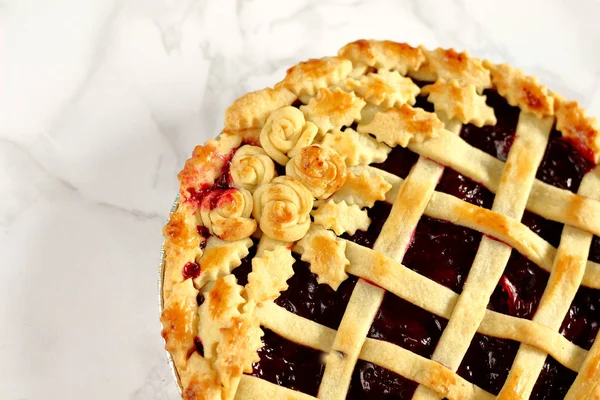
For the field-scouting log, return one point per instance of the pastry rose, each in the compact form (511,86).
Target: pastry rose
(251,167)
(320,169)
(226,214)
(282,209)
(284,131)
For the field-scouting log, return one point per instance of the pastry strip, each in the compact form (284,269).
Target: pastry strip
(565,279)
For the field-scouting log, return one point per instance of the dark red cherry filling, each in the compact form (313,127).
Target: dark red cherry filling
(444,253)
(190,270)
(520,288)
(319,303)
(546,229)
(399,162)
(402,323)
(372,382)
(495,140)
(378,214)
(554,381)
(583,320)
(563,165)
(488,361)
(289,364)
(465,189)
(595,250)
(241,272)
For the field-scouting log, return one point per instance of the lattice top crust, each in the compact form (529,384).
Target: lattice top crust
(295,169)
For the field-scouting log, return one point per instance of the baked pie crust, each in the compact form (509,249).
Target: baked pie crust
(298,170)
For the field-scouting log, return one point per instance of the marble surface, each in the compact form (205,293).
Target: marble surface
(101,102)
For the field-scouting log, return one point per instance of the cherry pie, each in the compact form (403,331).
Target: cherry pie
(390,223)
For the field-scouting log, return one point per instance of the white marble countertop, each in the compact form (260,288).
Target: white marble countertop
(101,102)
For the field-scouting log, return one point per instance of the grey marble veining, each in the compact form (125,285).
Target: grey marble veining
(102,101)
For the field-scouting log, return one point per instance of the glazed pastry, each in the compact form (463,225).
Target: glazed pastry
(390,223)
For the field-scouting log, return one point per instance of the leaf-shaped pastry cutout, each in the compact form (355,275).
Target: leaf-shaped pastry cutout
(460,102)
(199,379)
(237,348)
(333,109)
(341,218)
(220,258)
(368,113)
(269,275)
(398,126)
(449,64)
(363,189)
(326,255)
(383,55)
(573,123)
(385,89)
(221,304)
(182,245)
(179,320)
(356,148)
(520,90)
(307,77)
(252,109)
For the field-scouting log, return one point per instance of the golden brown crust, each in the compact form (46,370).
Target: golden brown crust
(205,165)
(220,258)
(326,255)
(356,148)
(269,275)
(574,124)
(304,124)
(252,109)
(331,110)
(179,321)
(399,126)
(448,64)
(521,90)
(460,102)
(362,189)
(341,217)
(384,54)
(307,77)
(320,169)
(384,89)
(238,346)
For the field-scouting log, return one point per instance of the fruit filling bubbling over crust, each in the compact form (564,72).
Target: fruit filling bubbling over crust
(294,158)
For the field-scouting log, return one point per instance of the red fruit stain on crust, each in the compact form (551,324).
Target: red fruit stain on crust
(217,198)
(224,181)
(199,346)
(190,270)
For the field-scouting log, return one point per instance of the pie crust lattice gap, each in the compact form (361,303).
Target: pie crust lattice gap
(295,171)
